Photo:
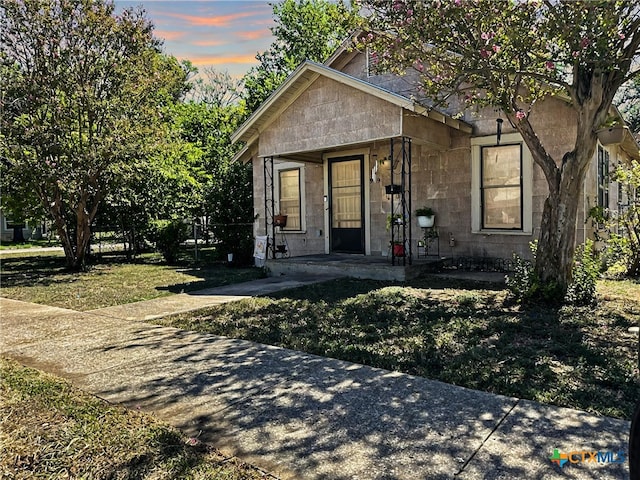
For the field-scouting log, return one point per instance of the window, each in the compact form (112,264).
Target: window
(290,193)
(603,177)
(289,198)
(501,187)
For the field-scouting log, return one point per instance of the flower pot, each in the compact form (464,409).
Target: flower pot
(426,222)
(611,136)
(280,221)
(398,250)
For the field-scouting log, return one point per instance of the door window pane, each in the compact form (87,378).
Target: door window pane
(346,195)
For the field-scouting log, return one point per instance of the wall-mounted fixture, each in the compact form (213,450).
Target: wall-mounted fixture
(499,129)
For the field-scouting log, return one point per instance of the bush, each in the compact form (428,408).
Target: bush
(524,285)
(168,235)
(586,270)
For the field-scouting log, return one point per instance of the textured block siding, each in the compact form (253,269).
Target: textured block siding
(312,239)
(329,114)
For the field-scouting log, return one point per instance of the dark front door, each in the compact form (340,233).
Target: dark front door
(346,208)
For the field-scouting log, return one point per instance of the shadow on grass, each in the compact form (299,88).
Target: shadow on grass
(576,357)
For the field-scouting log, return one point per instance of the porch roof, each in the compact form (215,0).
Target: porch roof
(300,80)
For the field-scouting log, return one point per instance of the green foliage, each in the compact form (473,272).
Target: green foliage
(525,285)
(424,212)
(519,281)
(621,230)
(168,235)
(585,274)
(305,29)
(84,92)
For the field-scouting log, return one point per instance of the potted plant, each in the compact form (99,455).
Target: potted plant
(398,249)
(426,217)
(394,219)
(612,134)
(280,220)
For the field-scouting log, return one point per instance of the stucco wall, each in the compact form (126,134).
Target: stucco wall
(329,114)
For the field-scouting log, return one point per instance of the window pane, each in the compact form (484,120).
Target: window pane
(290,198)
(501,187)
(502,207)
(501,165)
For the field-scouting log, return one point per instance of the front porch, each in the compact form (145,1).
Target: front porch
(357,266)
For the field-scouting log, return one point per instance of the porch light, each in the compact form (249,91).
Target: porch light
(499,129)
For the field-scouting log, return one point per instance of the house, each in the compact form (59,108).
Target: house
(341,151)
(7,230)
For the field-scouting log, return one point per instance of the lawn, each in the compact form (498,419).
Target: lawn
(48,429)
(42,278)
(458,333)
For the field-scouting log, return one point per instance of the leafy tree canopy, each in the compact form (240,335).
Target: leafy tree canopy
(305,29)
(83,98)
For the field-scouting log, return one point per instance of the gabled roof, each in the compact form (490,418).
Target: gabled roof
(304,76)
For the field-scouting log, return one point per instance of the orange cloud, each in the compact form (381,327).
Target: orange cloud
(168,34)
(209,43)
(254,34)
(217,21)
(220,60)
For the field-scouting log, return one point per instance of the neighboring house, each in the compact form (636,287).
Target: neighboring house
(7,224)
(328,143)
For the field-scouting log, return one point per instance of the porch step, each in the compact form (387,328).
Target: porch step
(357,267)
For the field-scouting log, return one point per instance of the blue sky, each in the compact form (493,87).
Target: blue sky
(225,35)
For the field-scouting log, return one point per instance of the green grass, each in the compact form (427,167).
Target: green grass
(48,429)
(42,278)
(454,332)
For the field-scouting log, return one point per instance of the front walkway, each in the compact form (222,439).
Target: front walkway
(304,416)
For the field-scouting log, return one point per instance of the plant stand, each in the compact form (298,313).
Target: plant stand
(430,243)
(282,248)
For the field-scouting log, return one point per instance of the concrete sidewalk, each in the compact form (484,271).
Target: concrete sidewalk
(304,416)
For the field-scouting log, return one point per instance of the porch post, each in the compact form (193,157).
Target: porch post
(393,230)
(269,206)
(406,193)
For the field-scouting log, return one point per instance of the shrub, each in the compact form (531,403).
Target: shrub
(168,235)
(586,270)
(524,285)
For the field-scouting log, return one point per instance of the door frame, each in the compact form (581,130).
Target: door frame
(364,152)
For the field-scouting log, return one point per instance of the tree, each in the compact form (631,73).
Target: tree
(84,91)
(509,55)
(227,191)
(305,29)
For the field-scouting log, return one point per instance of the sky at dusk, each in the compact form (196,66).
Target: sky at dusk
(225,35)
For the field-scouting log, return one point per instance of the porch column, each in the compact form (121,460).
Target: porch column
(403,206)
(269,206)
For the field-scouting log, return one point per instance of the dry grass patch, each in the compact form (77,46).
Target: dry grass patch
(48,429)
(42,278)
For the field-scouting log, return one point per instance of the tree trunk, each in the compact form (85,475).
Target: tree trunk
(556,243)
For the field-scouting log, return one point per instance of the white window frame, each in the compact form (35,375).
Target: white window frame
(277,167)
(476,191)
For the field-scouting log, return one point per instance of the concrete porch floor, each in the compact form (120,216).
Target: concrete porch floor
(357,266)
